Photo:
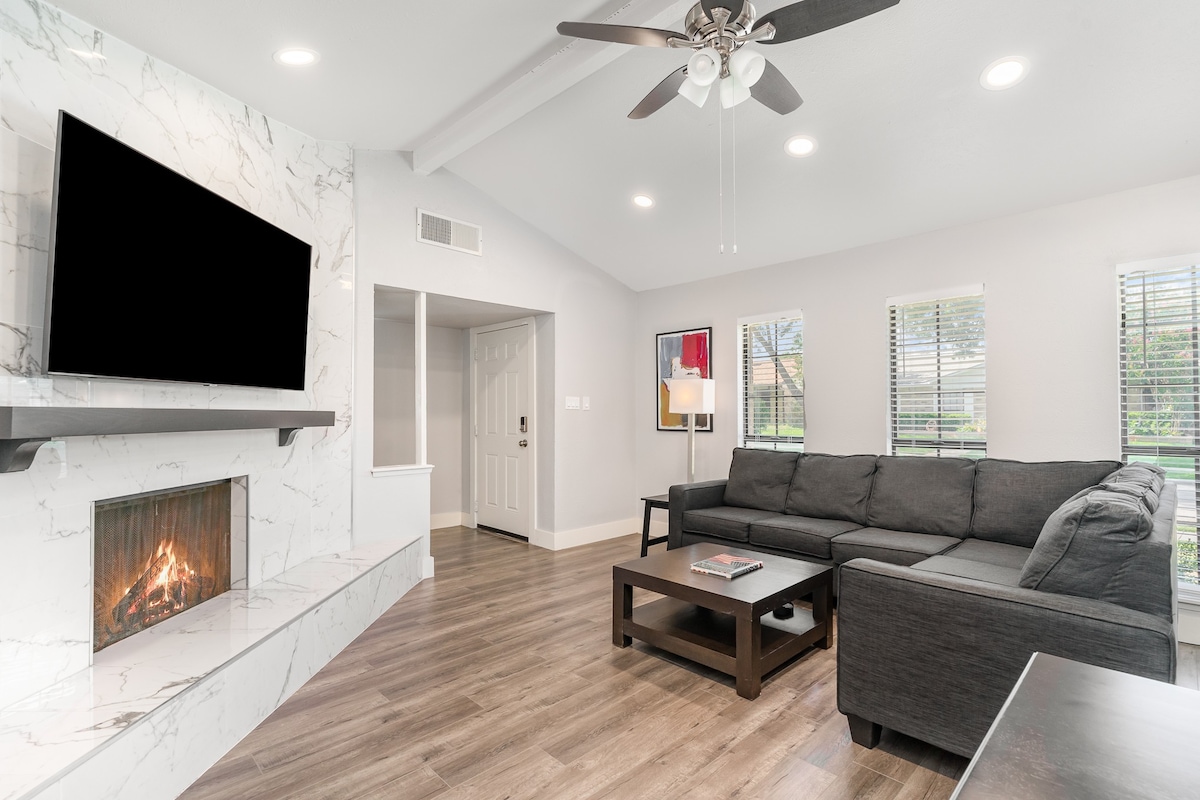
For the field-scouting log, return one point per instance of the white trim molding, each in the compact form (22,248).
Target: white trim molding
(563,540)
(1187,628)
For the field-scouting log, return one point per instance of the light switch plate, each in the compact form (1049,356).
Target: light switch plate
(587,403)
(572,403)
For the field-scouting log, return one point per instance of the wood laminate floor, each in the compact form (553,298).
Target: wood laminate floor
(498,679)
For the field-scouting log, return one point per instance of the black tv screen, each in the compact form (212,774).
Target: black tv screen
(154,277)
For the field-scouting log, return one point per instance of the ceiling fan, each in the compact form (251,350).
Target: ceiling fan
(717,30)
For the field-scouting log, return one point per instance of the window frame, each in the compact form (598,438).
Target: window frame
(789,443)
(1187,516)
(939,446)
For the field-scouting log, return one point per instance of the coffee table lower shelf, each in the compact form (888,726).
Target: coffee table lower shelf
(710,637)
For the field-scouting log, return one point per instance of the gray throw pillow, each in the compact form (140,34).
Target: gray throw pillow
(1084,543)
(759,479)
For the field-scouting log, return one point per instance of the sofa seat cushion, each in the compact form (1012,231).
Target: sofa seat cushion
(975,570)
(1084,543)
(759,479)
(1008,556)
(922,495)
(807,535)
(904,548)
(831,487)
(724,522)
(1013,499)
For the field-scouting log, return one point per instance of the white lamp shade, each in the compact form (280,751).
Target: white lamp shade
(692,396)
(747,66)
(695,93)
(704,66)
(733,92)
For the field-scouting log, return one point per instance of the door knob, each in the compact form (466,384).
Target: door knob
(523,443)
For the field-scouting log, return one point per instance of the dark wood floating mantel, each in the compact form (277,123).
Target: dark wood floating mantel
(23,429)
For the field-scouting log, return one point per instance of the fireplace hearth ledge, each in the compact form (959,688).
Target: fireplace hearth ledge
(24,429)
(156,710)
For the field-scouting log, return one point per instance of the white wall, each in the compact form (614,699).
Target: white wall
(446,412)
(395,428)
(586,487)
(447,420)
(1051,317)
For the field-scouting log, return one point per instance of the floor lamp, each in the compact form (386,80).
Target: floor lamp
(692,396)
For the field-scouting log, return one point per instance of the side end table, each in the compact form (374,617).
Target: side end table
(653,501)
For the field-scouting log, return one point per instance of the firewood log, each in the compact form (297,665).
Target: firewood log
(140,589)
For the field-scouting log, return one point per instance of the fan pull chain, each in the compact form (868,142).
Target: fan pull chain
(721,178)
(733,169)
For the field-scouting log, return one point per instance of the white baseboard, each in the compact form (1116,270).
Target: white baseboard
(561,540)
(448,519)
(1188,630)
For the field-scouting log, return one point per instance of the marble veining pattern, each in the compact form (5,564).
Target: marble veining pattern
(282,631)
(299,495)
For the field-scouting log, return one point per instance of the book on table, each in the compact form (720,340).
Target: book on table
(726,565)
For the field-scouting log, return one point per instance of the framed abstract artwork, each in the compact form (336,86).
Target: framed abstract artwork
(681,354)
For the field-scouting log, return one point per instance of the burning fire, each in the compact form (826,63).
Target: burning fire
(166,586)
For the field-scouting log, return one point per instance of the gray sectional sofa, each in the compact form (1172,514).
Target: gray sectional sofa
(952,572)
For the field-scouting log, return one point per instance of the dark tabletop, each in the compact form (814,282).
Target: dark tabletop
(1074,731)
(778,572)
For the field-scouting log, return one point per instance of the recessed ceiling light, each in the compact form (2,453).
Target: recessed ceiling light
(296,56)
(800,146)
(643,201)
(1004,73)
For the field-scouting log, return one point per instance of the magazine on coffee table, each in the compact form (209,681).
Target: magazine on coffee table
(726,565)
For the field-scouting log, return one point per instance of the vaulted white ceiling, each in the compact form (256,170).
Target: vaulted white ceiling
(908,140)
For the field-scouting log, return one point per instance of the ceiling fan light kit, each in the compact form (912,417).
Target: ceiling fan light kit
(704,66)
(717,30)
(733,92)
(694,92)
(747,66)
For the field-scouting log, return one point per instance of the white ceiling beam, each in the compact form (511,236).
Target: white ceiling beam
(565,68)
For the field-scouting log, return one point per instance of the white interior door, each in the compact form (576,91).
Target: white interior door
(503,428)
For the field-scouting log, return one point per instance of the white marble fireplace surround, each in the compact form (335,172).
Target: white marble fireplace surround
(299,495)
(157,709)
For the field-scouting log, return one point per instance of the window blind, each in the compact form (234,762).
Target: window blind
(937,378)
(773,384)
(1160,388)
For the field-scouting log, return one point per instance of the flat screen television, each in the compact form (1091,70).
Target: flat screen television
(154,277)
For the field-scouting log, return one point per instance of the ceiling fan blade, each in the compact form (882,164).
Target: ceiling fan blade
(621,34)
(813,16)
(660,95)
(775,91)
(734,6)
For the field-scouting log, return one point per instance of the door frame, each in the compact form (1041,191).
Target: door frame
(531,493)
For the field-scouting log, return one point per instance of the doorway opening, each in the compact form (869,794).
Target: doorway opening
(425,398)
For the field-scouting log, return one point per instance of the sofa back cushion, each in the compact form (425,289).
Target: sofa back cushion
(1085,542)
(1013,499)
(759,479)
(831,487)
(923,495)
(1144,481)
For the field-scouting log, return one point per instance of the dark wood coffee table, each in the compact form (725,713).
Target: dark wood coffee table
(720,623)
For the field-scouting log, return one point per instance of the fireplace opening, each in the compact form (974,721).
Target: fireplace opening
(159,554)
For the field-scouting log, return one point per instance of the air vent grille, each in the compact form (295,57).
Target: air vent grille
(450,233)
